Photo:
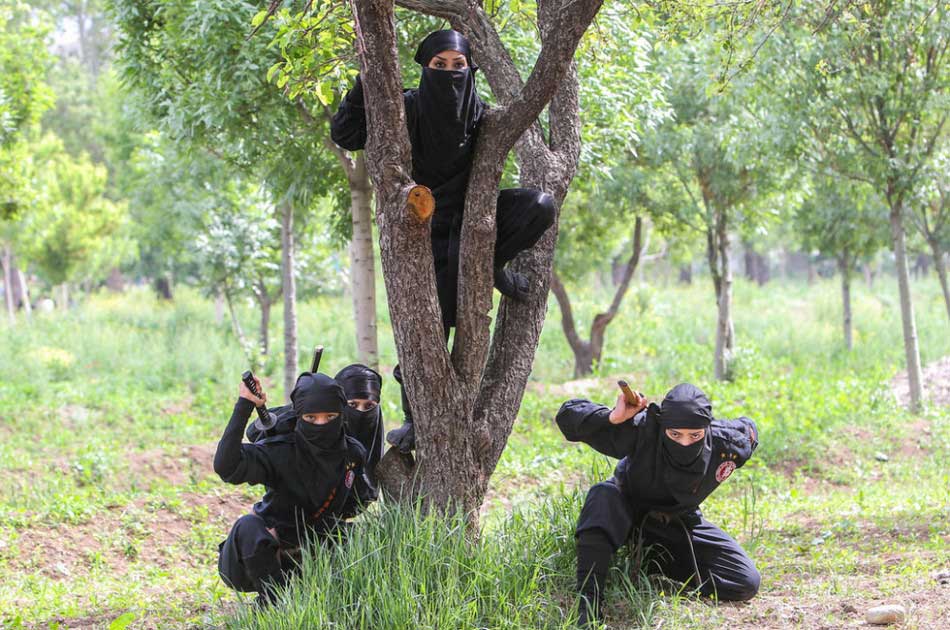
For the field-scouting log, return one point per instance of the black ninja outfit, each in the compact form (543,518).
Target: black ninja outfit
(313,476)
(363,383)
(656,490)
(443,117)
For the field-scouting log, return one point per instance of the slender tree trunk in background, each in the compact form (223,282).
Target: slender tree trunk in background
(6,259)
(812,275)
(163,287)
(724,329)
(24,292)
(64,296)
(583,355)
(941,268)
(218,308)
(587,353)
(686,274)
(362,264)
(844,267)
(907,308)
(235,322)
(265,303)
(868,275)
(289,285)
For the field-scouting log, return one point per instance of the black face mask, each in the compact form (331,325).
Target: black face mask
(448,109)
(682,456)
(321,436)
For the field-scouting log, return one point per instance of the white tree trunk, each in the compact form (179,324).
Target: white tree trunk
(6,259)
(64,296)
(218,308)
(907,311)
(845,268)
(24,292)
(725,333)
(362,264)
(290,296)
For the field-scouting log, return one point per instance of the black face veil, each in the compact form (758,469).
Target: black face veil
(448,106)
(363,383)
(320,448)
(685,407)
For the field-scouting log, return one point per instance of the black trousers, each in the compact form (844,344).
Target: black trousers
(607,521)
(523,216)
(249,560)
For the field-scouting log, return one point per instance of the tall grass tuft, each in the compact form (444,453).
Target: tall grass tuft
(401,568)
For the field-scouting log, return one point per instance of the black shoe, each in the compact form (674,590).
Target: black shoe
(512,284)
(403,438)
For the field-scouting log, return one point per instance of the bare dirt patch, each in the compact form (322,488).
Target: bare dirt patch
(178,467)
(936,381)
(138,532)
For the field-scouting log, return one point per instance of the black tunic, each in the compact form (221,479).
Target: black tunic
(293,501)
(641,472)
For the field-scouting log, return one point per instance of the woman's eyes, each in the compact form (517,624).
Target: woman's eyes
(459,65)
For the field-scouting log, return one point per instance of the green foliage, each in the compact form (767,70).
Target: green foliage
(842,220)
(73,231)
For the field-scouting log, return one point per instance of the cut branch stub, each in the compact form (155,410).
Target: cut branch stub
(421,203)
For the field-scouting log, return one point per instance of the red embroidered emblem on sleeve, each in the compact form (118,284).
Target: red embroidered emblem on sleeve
(350,476)
(725,469)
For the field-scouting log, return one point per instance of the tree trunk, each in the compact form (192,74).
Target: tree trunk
(583,356)
(686,274)
(163,287)
(6,259)
(264,301)
(362,264)
(868,275)
(218,308)
(24,292)
(235,322)
(290,295)
(907,310)
(724,328)
(64,296)
(465,403)
(589,353)
(941,268)
(844,267)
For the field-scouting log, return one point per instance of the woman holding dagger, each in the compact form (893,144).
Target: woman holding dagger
(673,455)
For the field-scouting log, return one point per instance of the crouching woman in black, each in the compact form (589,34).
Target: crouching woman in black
(673,456)
(313,476)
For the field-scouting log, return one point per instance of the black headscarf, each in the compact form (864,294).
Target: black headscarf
(685,407)
(320,449)
(364,383)
(446,113)
(437,41)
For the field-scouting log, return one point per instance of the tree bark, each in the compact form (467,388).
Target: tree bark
(844,267)
(235,322)
(264,302)
(218,307)
(941,268)
(724,328)
(163,287)
(64,296)
(6,259)
(362,263)
(464,404)
(289,289)
(24,292)
(115,282)
(907,309)
(686,274)
(587,353)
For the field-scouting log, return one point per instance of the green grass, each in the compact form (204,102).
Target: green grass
(109,414)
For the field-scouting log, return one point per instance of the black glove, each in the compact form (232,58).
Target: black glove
(403,438)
